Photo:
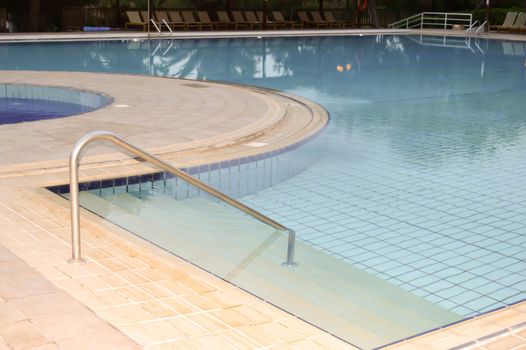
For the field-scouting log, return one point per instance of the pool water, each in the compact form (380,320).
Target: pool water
(17,110)
(421,182)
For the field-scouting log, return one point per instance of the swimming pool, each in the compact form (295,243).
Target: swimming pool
(24,103)
(421,181)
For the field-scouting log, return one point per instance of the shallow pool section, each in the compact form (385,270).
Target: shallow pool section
(322,289)
(25,103)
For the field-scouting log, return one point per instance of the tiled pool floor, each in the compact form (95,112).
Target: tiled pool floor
(447,223)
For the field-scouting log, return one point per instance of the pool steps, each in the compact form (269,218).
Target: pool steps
(355,306)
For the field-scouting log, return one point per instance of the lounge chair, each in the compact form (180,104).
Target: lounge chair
(145,14)
(253,20)
(278,18)
(189,20)
(162,17)
(205,19)
(306,21)
(223,17)
(240,21)
(135,20)
(316,16)
(177,20)
(329,16)
(508,22)
(268,22)
(520,23)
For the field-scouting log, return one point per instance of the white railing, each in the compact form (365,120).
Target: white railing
(436,20)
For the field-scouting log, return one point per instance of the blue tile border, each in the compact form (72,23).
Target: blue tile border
(195,170)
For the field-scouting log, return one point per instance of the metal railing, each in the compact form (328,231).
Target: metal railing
(74,162)
(473,28)
(437,20)
(156,27)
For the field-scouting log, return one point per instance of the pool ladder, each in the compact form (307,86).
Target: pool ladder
(74,162)
(159,28)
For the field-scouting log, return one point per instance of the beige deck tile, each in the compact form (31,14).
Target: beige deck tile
(202,342)
(176,287)
(201,301)
(180,305)
(506,317)
(50,346)
(113,265)
(223,299)
(159,309)
(332,343)
(22,335)
(156,290)
(210,323)
(507,342)
(238,340)
(133,294)
(125,314)
(185,326)
(110,339)
(58,327)
(14,287)
(475,330)
(3,345)
(240,315)
(133,277)
(307,329)
(197,285)
(269,334)
(9,314)
(46,304)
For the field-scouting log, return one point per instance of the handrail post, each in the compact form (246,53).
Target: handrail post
(74,203)
(290,249)
(156,27)
(167,26)
(422,21)
(445,21)
(74,162)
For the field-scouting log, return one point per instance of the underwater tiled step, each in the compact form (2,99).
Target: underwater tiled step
(360,308)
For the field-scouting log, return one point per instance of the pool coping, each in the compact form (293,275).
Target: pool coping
(138,35)
(275,121)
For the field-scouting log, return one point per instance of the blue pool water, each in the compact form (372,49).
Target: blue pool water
(25,103)
(17,110)
(421,181)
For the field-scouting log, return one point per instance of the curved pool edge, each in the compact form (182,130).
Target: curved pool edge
(270,121)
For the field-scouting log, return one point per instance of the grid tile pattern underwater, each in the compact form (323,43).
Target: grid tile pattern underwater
(421,182)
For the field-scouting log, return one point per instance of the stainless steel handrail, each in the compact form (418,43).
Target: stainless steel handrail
(168,26)
(74,162)
(471,26)
(482,27)
(156,27)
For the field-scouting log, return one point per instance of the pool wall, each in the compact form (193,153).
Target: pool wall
(58,94)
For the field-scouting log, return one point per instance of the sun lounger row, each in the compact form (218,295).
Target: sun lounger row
(514,22)
(251,20)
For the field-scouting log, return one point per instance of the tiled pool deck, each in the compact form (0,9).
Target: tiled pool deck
(132,294)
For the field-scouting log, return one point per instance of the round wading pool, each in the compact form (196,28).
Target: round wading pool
(25,103)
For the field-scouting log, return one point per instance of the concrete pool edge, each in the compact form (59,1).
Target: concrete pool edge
(136,35)
(271,121)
